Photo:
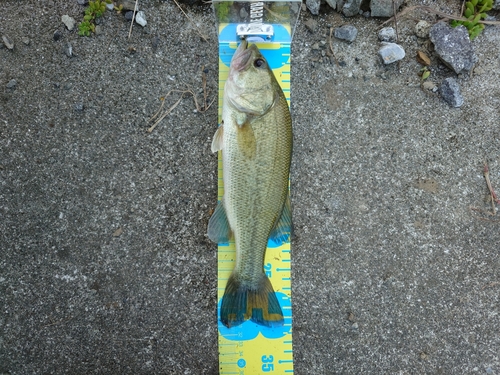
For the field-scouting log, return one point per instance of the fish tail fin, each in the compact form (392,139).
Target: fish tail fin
(242,301)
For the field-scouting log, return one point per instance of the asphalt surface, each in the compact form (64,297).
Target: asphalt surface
(105,266)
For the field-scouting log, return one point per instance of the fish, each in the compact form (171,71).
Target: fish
(255,137)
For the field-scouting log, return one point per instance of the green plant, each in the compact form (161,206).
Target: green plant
(119,8)
(475,10)
(95,10)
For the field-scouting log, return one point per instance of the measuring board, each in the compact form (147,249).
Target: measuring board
(250,348)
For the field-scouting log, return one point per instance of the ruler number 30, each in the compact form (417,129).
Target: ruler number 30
(267,364)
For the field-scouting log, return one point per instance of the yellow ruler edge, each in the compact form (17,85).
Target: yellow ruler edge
(259,355)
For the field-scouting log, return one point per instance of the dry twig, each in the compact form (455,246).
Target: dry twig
(436,12)
(395,19)
(494,198)
(182,10)
(199,108)
(331,46)
(133,19)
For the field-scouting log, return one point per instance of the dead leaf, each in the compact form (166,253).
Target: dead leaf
(423,59)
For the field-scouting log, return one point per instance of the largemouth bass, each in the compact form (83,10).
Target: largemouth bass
(255,137)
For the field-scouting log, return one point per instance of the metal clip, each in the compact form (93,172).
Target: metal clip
(252,31)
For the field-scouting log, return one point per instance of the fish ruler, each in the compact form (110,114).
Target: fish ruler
(250,348)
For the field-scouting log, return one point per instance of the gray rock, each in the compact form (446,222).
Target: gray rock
(98,30)
(351,8)
(82,2)
(140,18)
(68,49)
(12,84)
(450,91)
(391,52)
(453,46)
(8,43)
(79,106)
(243,13)
(496,5)
(26,40)
(383,8)
(57,35)
(313,6)
(110,6)
(129,15)
(311,24)
(346,32)
(68,21)
(422,29)
(387,34)
(332,3)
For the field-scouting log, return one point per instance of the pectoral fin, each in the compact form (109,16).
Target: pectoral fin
(283,227)
(218,226)
(217,141)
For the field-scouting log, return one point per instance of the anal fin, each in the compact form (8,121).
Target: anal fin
(219,230)
(283,227)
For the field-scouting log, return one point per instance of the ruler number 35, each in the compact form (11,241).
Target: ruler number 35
(267,363)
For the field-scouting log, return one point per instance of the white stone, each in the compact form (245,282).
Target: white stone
(391,52)
(68,21)
(140,18)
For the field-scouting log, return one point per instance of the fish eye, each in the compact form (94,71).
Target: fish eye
(259,63)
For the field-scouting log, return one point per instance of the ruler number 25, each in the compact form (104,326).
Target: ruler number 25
(267,363)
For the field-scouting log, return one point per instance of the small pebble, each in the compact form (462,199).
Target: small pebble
(346,32)
(155,41)
(57,35)
(98,30)
(140,18)
(387,34)
(311,24)
(12,84)
(79,106)
(391,52)
(82,2)
(243,13)
(129,15)
(26,40)
(429,85)
(8,43)
(110,6)
(68,21)
(68,49)
(450,91)
(422,29)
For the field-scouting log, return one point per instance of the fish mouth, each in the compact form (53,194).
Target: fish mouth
(241,56)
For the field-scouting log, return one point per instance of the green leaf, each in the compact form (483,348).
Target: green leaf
(468,13)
